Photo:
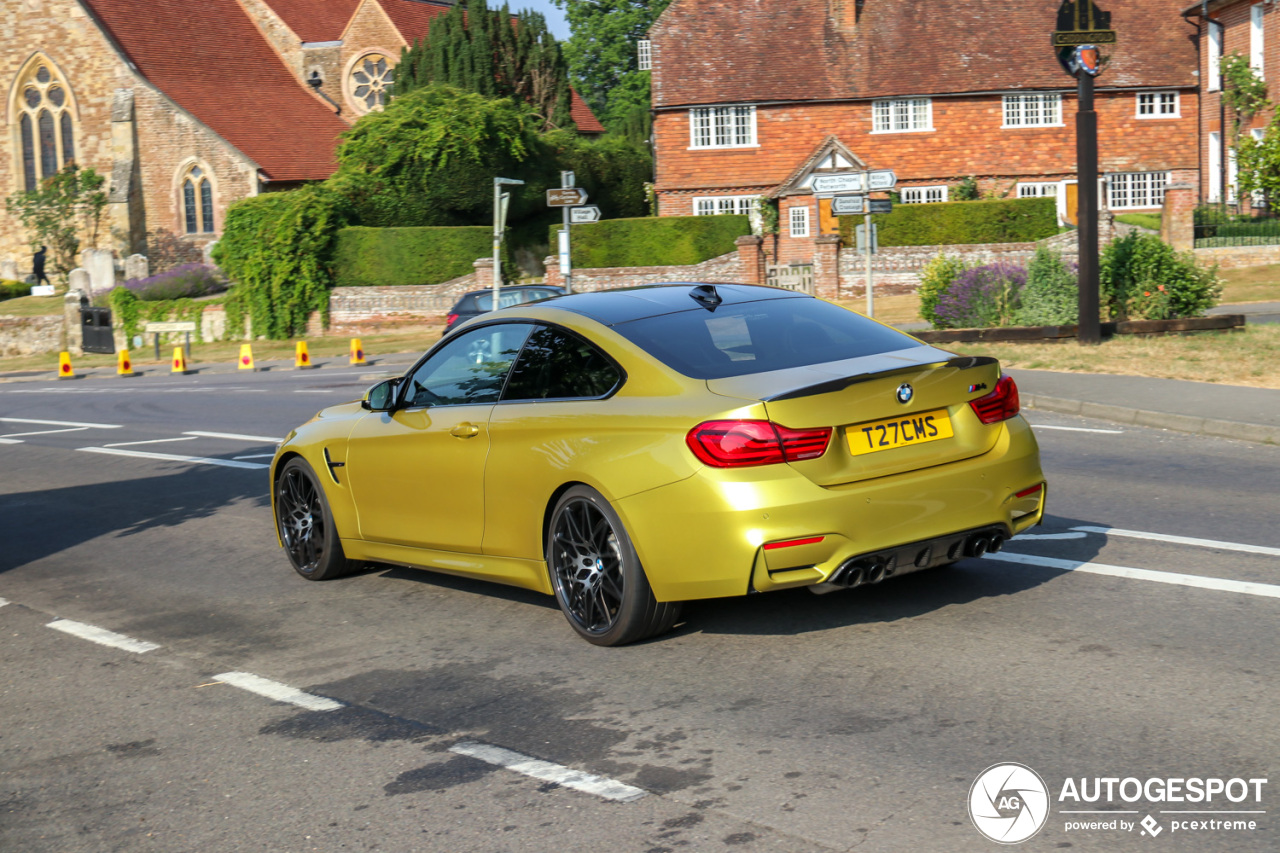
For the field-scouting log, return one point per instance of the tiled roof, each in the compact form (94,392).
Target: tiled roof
(315,20)
(719,51)
(230,79)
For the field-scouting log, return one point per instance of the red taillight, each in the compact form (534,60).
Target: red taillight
(1031,491)
(1000,405)
(736,444)
(450,320)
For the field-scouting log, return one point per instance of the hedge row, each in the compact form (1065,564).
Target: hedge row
(956,223)
(13,289)
(393,256)
(654,241)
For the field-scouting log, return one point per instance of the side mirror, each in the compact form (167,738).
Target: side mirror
(381,397)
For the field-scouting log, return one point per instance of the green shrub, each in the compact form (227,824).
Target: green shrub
(278,248)
(13,289)
(395,256)
(935,278)
(1052,294)
(654,241)
(956,223)
(1135,270)
(132,314)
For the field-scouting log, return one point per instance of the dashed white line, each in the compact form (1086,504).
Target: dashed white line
(173,457)
(600,786)
(1023,537)
(59,423)
(13,435)
(1181,540)
(234,436)
(256,456)
(3,602)
(102,636)
(277,691)
(1220,584)
(1079,429)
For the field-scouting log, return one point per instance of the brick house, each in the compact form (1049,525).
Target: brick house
(1249,29)
(752,98)
(190,106)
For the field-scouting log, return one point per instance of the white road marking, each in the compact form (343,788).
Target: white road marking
(13,435)
(173,457)
(600,786)
(150,441)
(1023,537)
(1078,429)
(277,691)
(3,602)
(234,436)
(1220,584)
(1181,540)
(101,635)
(10,441)
(59,423)
(256,456)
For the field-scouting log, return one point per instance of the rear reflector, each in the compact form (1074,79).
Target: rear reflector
(737,444)
(1000,405)
(1031,491)
(451,319)
(791,543)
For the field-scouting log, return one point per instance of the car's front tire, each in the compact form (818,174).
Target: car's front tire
(597,577)
(306,524)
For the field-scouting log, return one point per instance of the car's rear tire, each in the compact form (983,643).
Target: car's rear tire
(597,577)
(306,524)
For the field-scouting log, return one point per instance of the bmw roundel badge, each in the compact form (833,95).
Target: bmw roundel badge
(905,393)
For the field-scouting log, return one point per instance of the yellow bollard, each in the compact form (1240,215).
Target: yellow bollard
(301,360)
(357,352)
(246,358)
(180,361)
(124,366)
(64,366)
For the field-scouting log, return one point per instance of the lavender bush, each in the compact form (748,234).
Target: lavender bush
(983,296)
(185,281)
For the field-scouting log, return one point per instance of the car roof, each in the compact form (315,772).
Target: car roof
(622,305)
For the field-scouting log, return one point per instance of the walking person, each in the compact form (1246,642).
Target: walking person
(37,267)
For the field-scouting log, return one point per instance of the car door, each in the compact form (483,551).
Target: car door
(417,474)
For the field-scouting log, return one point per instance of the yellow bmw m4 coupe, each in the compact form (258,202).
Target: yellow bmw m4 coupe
(628,450)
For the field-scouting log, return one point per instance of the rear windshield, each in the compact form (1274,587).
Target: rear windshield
(756,337)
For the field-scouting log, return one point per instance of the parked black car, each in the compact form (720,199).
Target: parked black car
(479,302)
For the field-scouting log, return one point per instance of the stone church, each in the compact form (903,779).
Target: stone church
(189,106)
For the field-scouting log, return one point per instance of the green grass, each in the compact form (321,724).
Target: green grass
(1142,220)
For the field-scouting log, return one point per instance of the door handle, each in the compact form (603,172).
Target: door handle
(465,430)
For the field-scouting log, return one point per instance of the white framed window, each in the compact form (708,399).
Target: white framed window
(644,55)
(720,204)
(1038,109)
(722,127)
(1126,190)
(800,221)
(923,195)
(1158,105)
(1037,189)
(903,115)
(1257,41)
(1215,168)
(1215,55)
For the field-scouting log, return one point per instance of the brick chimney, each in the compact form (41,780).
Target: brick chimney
(844,14)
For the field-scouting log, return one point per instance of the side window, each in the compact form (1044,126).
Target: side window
(471,368)
(558,365)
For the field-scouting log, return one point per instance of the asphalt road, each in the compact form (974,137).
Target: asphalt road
(783,722)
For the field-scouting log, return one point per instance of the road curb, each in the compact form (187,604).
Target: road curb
(1238,430)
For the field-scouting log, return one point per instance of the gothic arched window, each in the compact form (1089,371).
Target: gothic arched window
(197,201)
(46,122)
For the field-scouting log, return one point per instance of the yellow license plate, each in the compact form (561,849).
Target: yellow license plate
(898,432)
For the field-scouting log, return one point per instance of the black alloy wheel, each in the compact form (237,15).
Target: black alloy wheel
(306,524)
(598,580)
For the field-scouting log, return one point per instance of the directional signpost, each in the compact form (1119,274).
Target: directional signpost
(848,182)
(570,199)
(847,193)
(845,205)
(1082,26)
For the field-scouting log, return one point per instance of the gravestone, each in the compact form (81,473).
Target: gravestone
(9,269)
(79,280)
(102,269)
(136,266)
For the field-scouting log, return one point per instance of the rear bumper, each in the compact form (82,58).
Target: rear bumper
(703,537)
